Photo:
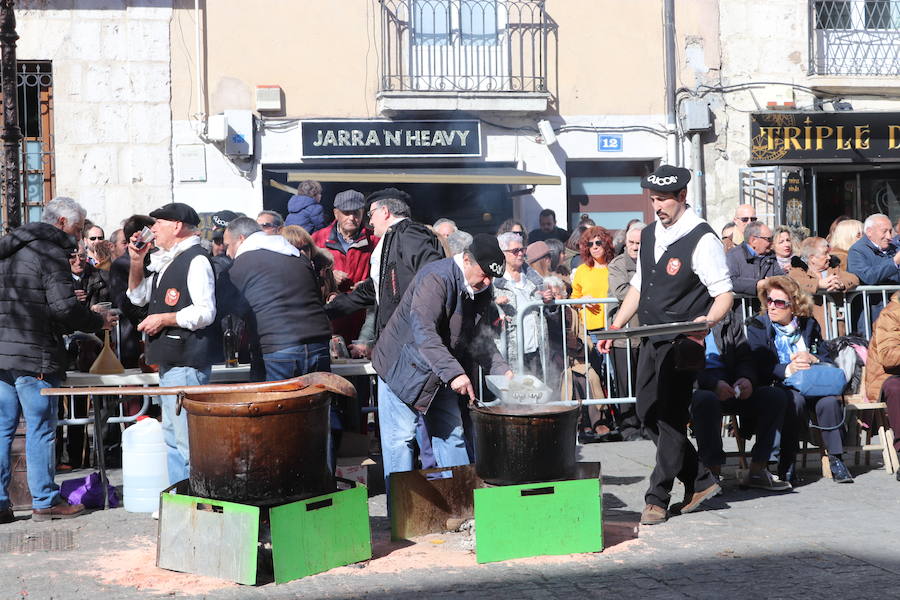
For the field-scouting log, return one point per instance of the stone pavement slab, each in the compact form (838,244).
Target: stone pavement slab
(823,540)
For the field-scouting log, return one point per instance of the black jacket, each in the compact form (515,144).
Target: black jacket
(436,334)
(735,353)
(407,247)
(37,300)
(761,337)
(132,315)
(278,295)
(747,269)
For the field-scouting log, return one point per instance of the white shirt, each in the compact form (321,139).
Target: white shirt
(375,260)
(707,261)
(201,286)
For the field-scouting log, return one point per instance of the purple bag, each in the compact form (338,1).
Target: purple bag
(87,491)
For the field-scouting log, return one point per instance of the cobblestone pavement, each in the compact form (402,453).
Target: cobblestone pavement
(823,540)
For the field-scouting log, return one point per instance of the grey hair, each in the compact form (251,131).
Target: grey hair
(505,239)
(458,241)
(554,281)
(870,220)
(63,207)
(812,246)
(279,220)
(114,236)
(639,226)
(442,220)
(243,227)
(395,206)
(753,229)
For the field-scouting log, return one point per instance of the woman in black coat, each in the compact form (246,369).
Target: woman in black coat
(785,339)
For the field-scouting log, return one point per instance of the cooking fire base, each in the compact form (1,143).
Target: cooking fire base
(250,544)
(538,519)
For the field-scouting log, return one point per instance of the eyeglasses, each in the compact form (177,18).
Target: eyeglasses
(516,250)
(745,219)
(372,211)
(762,237)
(268,225)
(778,303)
(597,243)
(79,257)
(94,238)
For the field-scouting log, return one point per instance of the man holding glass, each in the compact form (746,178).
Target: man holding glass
(181,307)
(38,305)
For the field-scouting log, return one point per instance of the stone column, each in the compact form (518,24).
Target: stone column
(12,134)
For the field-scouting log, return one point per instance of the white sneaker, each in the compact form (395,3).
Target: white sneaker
(765,480)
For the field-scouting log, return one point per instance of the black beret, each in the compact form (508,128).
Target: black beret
(388,193)
(488,254)
(666,179)
(177,211)
(221,219)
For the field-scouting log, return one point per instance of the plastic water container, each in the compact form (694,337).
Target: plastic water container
(144,470)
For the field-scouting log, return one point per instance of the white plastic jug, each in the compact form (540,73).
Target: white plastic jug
(144,470)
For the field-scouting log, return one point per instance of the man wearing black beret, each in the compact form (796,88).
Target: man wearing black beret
(681,276)
(427,355)
(181,302)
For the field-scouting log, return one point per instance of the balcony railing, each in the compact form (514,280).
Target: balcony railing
(463,46)
(854,37)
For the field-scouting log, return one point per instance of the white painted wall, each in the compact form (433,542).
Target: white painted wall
(111,83)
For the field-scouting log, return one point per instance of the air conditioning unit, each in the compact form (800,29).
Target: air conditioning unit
(216,128)
(239,141)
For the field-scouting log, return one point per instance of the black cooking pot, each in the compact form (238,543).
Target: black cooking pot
(523,443)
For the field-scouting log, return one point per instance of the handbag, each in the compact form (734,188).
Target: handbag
(818,380)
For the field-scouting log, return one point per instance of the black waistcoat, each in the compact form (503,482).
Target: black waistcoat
(176,346)
(670,290)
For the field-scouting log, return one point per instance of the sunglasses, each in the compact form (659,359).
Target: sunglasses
(777,303)
(745,219)
(596,243)
(94,238)
(762,237)
(268,225)
(516,251)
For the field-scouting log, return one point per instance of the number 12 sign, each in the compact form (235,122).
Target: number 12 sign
(609,142)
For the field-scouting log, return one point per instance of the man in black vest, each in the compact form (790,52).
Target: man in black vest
(681,276)
(182,305)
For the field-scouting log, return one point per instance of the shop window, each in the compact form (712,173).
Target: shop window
(855,37)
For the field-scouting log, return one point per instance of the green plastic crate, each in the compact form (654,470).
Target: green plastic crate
(538,519)
(321,533)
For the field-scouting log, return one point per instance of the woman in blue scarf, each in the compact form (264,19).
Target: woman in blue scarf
(785,339)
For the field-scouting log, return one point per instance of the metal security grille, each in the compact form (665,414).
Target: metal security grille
(463,45)
(35,87)
(854,37)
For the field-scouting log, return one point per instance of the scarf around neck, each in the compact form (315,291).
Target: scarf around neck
(788,340)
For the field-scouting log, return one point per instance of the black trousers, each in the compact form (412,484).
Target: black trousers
(761,414)
(663,405)
(829,414)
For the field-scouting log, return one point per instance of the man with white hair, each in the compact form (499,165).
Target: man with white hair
(874,259)
(38,305)
(181,304)
(743,216)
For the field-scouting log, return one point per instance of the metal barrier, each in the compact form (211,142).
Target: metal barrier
(610,370)
(122,418)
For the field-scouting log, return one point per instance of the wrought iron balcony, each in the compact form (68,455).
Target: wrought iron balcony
(854,37)
(479,47)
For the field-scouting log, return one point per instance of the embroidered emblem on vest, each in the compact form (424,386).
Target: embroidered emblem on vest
(172,296)
(673,266)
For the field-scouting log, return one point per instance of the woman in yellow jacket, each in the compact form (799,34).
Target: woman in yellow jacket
(591,278)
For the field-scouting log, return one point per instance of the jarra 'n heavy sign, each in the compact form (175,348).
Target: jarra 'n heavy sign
(790,138)
(365,139)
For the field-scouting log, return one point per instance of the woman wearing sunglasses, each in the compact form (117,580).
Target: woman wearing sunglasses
(591,280)
(785,339)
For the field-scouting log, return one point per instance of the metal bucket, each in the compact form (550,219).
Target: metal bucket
(517,444)
(259,447)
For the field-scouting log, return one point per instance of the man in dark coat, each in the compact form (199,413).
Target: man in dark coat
(753,260)
(875,260)
(426,357)
(38,305)
(129,336)
(404,248)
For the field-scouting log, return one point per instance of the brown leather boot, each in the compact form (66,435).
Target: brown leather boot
(654,515)
(58,511)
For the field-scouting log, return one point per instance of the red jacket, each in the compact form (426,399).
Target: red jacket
(355,263)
